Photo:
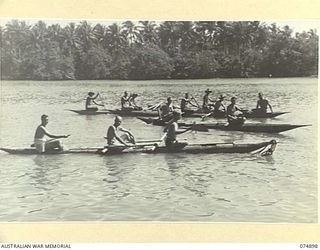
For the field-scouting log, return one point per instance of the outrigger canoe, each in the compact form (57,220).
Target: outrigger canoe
(247,127)
(149,113)
(263,148)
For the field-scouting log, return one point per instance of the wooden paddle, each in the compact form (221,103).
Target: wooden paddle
(103,104)
(192,98)
(157,140)
(156,145)
(153,107)
(194,127)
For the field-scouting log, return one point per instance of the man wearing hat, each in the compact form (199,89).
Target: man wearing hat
(206,105)
(90,102)
(219,106)
(234,114)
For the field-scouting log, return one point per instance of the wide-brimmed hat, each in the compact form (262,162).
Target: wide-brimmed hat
(221,97)
(208,91)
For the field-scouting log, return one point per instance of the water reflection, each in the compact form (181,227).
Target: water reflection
(46,171)
(189,173)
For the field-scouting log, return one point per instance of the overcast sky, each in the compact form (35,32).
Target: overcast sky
(296,25)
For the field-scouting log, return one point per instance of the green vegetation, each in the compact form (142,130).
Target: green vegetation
(150,50)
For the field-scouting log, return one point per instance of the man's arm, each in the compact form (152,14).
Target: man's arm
(46,132)
(96,96)
(118,137)
(97,103)
(126,131)
(270,107)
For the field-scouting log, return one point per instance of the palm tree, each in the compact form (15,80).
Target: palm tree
(169,37)
(148,32)
(116,38)
(205,32)
(131,32)
(71,41)
(85,36)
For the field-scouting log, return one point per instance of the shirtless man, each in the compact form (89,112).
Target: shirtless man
(42,145)
(172,130)
(165,110)
(132,102)
(125,101)
(113,136)
(218,108)
(234,114)
(206,99)
(262,105)
(90,102)
(184,104)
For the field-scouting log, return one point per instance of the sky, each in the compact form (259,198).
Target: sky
(295,25)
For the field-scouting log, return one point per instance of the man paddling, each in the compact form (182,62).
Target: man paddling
(218,108)
(90,102)
(172,130)
(262,105)
(165,110)
(234,114)
(113,133)
(184,104)
(125,101)
(132,102)
(42,145)
(206,99)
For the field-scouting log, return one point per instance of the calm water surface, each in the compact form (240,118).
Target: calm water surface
(175,187)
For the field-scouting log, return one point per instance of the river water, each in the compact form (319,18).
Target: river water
(209,188)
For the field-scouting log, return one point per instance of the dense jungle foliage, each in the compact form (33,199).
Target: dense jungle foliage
(155,50)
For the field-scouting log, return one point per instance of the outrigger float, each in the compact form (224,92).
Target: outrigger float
(263,148)
(247,127)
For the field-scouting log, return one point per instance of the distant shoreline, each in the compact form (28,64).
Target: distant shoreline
(169,79)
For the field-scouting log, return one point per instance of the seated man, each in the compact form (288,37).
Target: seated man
(218,109)
(125,104)
(113,135)
(90,102)
(172,130)
(206,105)
(132,102)
(165,110)
(219,106)
(184,104)
(42,145)
(234,114)
(262,105)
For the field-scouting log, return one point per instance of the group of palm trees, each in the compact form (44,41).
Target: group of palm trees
(155,50)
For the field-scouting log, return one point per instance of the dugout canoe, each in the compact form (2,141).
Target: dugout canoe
(247,127)
(263,148)
(148,113)
(116,112)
